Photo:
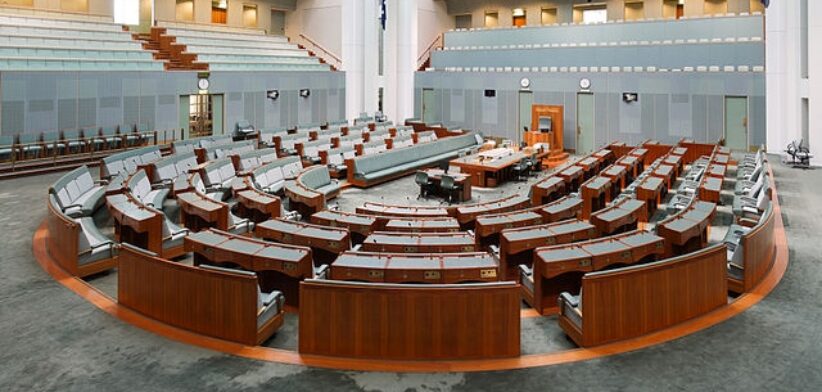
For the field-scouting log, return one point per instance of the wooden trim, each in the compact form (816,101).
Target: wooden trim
(102,301)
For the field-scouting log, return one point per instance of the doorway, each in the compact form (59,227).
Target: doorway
(428,105)
(736,123)
(585,123)
(277,22)
(204,116)
(526,102)
(518,16)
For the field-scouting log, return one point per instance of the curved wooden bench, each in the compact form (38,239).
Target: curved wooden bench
(216,303)
(409,322)
(758,249)
(687,231)
(438,268)
(620,217)
(488,227)
(547,190)
(428,225)
(325,242)
(517,244)
(567,207)
(388,242)
(559,268)
(278,266)
(615,304)
(467,214)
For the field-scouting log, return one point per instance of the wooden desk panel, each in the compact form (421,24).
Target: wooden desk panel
(488,227)
(325,242)
(455,242)
(442,268)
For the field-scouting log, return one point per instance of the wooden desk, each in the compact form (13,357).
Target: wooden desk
(687,231)
(136,224)
(596,193)
(650,191)
(279,267)
(621,217)
(572,175)
(565,208)
(618,175)
(360,226)
(560,268)
(488,227)
(258,206)
(547,190)
(643,158)
(386,242)
(717,171)
(632,164)
(710,189)
(416,268)
(326,243)
(463,179)
(676,162)
(402,211)
(665,172)
(302,199)
(436,225)
(467,214)
(589,165)
(605,156)
(489,168)
(517,244)
(197,212)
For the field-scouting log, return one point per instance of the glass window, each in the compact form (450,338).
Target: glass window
(596,15)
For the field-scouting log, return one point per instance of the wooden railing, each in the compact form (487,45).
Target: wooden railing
(426,55)
(320,51)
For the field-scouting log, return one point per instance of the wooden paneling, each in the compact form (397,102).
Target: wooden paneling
(409,322)
(222,305)
(635,301)
(759,248)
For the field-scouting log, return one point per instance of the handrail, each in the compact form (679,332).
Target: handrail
(337,60)
(436,44)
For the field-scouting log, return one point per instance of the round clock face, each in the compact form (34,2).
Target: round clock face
(202,84)
(585,84)
(525,82)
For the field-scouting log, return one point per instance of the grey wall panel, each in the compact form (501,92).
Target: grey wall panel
(671,105)
(757,120)
(601,137)
(716,117)
(66,113)
(127,98)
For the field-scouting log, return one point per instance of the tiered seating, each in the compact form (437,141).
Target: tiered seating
(227,49)
(145,226)
(174,170)
(50,43)
(311,189)
(702,44)
(128,162)
(335,159)
(250,160)
(271,177)
(201,209)
(76,194)
(74,239)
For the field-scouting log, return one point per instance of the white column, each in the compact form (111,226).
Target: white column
(400,58)
(353,45)
(783,83)
(814,84)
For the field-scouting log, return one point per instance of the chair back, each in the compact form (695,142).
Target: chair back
(421,178)
(447,182)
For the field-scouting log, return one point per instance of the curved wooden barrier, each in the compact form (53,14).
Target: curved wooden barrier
(634,301)
(759,247)
(409,322)
(213,303)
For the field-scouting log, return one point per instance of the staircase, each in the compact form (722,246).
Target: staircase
(312,54)
(166,49)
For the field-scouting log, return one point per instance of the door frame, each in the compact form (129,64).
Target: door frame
(577,132)
(746,120)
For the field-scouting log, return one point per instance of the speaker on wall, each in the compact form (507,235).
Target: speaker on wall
(272,94)
(490,93)
(305,93)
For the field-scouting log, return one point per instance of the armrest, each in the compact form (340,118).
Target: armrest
(269,298)
(747,222)
(747,200)
(569,299)
(495,249)
(322,272)
(525,270)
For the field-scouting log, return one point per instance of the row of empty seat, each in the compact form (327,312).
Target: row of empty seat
(606,69)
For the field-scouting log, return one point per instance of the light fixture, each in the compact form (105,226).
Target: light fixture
(630,97)
(518,12)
